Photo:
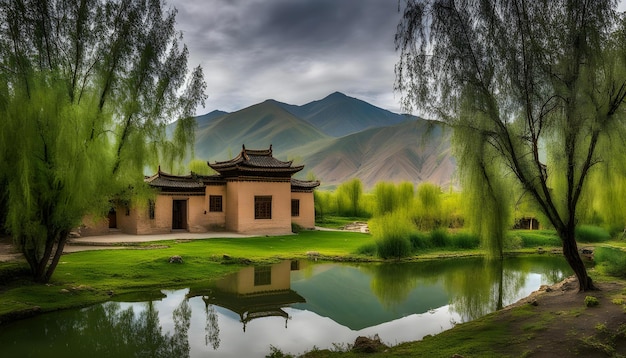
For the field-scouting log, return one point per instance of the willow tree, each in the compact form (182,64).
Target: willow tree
(86,89)
(533,89)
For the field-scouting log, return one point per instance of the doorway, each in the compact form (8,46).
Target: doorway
(112,219)
(179,215)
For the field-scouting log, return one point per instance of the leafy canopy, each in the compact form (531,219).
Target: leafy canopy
(534,91)
(86,90)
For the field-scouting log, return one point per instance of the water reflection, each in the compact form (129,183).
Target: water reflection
(291,305)
(252,293)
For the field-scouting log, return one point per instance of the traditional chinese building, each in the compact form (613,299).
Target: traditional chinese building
(253,193)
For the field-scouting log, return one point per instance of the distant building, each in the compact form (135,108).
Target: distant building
(253,193)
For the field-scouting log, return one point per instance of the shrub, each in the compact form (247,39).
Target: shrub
(611,261)
(464,240)
(393,247)
(419,240)
(591,301)
(513,242)
(588,233)
(295,228)
(538,238)
(439,238)
(392,232)
(367,250)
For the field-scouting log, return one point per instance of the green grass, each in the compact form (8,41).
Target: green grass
(610,261)
(337,222)
(535,238)
(90,276)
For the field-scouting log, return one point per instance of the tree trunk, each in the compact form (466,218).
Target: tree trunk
(570,251)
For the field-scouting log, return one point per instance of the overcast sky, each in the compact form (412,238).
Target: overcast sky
(293,51)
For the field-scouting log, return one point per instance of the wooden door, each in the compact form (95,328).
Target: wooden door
(179,215)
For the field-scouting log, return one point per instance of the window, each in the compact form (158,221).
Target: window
(295,207)
(151,207)
(263,275)
(215,203)
(262,207)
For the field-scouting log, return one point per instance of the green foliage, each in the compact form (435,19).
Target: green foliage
(367,249)
(535,238)
(610,260)
(277,353)
(588,233)
(200,166)
(349,195)
(392,232)
(591,301)
(440,238)
(84,115)
(528,104)
(428,208)
(465,240)
(419,240)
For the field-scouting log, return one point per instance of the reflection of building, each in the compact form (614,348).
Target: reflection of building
(255,292)
(253,193)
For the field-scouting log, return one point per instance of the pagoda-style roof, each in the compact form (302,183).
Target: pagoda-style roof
(305,186)
(181,183)
(256,163)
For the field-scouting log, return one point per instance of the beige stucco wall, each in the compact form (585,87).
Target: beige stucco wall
(216,220)
(241,195)
(92,226)
(244,281)
(126,223)
(307,210)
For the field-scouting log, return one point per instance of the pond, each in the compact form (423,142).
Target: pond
(292,305)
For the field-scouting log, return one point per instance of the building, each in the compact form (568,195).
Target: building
(253,193)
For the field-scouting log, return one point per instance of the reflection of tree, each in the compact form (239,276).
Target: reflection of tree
(180,340)
(391,283)
(481,289)
(212,328)
(107,330)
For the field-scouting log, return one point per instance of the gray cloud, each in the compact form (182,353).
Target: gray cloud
(294,51)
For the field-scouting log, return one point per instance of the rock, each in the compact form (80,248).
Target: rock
(64,290)
(368,345)
(110,293)
(456,355)
(176,259)
(226,257)
(540,250)
(74,234)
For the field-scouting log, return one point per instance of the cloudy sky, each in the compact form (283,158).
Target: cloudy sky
(293,51)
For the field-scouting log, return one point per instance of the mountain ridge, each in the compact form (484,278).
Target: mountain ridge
(337,138)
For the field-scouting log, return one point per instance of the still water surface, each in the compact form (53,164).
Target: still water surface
(293,306)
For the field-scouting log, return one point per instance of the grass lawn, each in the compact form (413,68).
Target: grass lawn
(87,277)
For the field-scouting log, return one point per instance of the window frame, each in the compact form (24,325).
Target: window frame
(262,207)
(214,200)
(296,212)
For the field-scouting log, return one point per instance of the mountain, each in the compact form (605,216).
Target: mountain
(206,119)
(337,138)
(339,115)
(256,126)
(413,151)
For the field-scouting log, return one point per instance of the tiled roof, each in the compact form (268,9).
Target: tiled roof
(255,160)
(191,181)
(304,184)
